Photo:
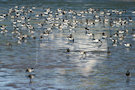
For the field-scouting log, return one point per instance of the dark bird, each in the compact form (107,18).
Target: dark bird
(127,73)
(86,28)
(67,50)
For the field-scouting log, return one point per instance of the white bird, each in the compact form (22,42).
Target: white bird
(30,70)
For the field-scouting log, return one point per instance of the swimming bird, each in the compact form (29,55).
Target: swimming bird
(104,35)
(86,28)
(127,45)
(89,34)
(70,38)
(83,53)
(97,41)
(67,50)
(133,12)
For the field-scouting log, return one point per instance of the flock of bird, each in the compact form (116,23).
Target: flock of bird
(27,24)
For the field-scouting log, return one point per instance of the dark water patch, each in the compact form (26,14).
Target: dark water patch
(12,85)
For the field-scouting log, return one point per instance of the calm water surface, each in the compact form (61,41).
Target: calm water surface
(56,69)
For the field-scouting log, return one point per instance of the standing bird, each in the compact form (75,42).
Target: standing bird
(30,70)
(128,75)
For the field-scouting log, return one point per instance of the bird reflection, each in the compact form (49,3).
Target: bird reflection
(127,80)
(30,77)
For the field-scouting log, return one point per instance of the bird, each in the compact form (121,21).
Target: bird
(70,38)
(127,45)
(104,36)
(67,50)
(83,54)
(128,76)
(127,73)
(97,41)
(30,70)
(86,28)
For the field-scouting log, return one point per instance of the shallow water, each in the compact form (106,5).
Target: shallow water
(56,69)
